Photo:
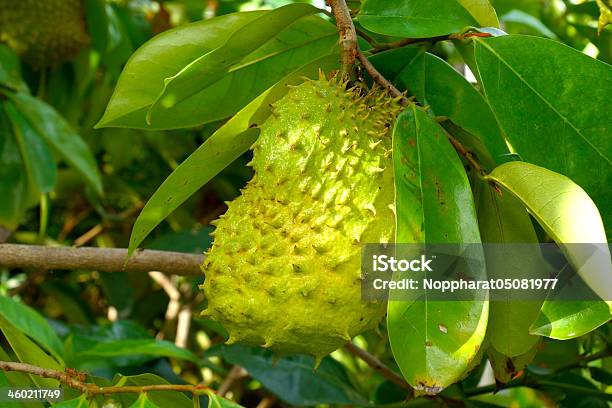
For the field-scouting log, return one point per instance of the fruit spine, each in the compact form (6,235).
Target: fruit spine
(284,268)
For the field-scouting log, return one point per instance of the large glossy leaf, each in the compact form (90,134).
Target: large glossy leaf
(503,221)
(569,216)
(37,158)
(433,342)
(436,84)
(555,115)
(293,378)
(212,66)
(28,352)
(14,186)
(415,18)
(60,136)
(28,321)
(141,82)
(224,146)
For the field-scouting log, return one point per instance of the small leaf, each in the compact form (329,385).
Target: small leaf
(215,401)
(415,18)
(605,15)
(601,375)
(143,402)
(10,70)
(223,147)
(505,368)
(31,323)
(293,379)
(37,158)
(434,342)
(14,188)
(482,11)
(59,135)
(79,402)
(28,352)
(150,347)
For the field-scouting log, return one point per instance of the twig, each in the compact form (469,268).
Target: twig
(235,373)
(462,150)
(77,380)
(377,365)
(349,49)
(585,360)
(378,77)
(98,259)
(348,36)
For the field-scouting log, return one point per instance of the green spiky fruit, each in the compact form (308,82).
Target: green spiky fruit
(43,32)
(284,268)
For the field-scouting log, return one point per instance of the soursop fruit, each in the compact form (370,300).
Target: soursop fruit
(284,269)
(44,32)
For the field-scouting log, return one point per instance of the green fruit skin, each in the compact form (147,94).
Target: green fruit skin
(284,268)
(44,32)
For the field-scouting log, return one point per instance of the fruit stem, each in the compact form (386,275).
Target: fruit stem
(348,36)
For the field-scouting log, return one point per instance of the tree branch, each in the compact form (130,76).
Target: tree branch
(348,36)
(77,380)
(378,365)
(98,259)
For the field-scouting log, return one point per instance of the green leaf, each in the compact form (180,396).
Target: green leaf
(433,342)
(31,323)
(140,84)
(163,399)
(28,352)
(215,401)
(568,216)
(549,117)
(294,379)
(482,11)
(504,367)
(16,379)
(601,375)
(212,66)
(415,18)
(10,70)
(527,20)
(503,220)
(150,347)
(565,320)
(14,188)
(37,158)
(436,84)
(59,135)
(223,147)
(97,24)
(143,402)
(79,402)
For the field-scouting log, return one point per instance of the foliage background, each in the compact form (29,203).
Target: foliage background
(109,323)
